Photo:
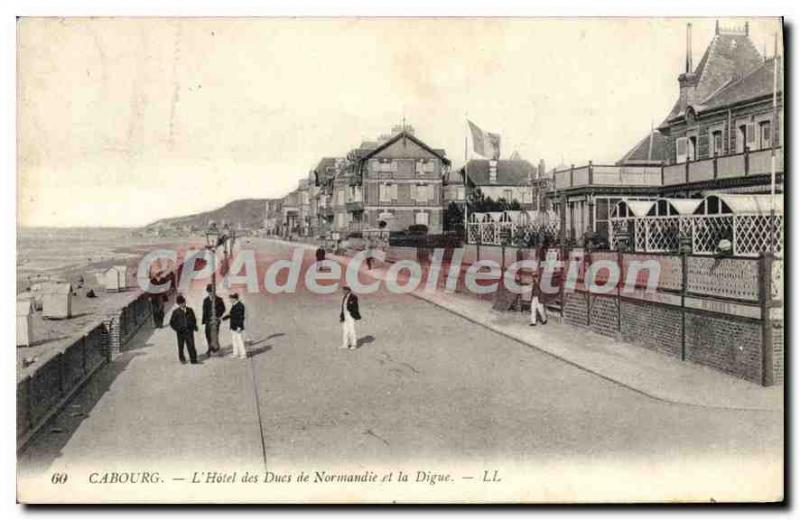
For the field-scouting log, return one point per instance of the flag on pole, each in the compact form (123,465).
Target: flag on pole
(486,144)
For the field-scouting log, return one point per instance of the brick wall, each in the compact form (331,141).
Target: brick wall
(656,327)
(777,351)
(604,315)
(46,390)
(575,308)
(725,343)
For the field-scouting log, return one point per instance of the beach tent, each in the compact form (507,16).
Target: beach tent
(24,322)
(56,300)
(116,278)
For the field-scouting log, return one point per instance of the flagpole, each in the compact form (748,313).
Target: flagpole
(466,189)
(772,141)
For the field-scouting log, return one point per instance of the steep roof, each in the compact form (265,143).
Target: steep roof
(756,84)
(438,152)
(729,57)
(321,171)
(509,172)
(642,152)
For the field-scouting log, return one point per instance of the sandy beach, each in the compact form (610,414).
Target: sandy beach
(75,255)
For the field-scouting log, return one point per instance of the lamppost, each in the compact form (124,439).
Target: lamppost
(212,241)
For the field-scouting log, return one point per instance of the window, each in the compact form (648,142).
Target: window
(680,150)
(421,218)
(751,136)
(691,152)
(508,195)
(765,134)
(746,137)
(716,143)
(405,167)
(388,192)
(422,192)
(384,192)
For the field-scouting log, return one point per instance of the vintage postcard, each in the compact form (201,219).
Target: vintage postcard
(400,260)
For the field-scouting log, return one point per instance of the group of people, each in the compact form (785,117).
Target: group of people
(184,323)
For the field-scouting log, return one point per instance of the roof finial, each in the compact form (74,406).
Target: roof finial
(688,48)
(716,27)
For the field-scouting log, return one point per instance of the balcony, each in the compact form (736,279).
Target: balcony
(607,175)
(354,200)
(705,170)
(724,167)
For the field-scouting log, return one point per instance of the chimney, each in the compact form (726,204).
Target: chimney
(688,80)
(541,169)
(493,171)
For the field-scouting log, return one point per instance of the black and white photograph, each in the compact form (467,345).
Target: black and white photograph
(400,260)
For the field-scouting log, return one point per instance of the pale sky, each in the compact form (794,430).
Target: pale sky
(124,121)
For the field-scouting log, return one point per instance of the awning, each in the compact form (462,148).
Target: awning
(636,208)
(676,207)
(756,204)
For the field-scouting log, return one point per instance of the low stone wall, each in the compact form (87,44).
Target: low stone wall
(46,391)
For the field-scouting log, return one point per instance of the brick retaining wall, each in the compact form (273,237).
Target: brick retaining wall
(725,343)
(604,315)
(657,327)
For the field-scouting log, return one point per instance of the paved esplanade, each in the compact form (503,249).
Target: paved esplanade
(426,389)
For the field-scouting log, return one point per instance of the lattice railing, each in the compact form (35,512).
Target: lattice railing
(748,234)
(752,234)
(663,234)
(708,231)
(494,232)
(620,226)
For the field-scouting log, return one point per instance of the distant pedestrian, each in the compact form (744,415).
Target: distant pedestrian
(538,310)
(236,316)
(212,333)
(348,315)
(157,301)
(538,296)
(320,256)
(184,323)
(370,248)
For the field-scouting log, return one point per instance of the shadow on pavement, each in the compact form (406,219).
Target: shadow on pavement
(46,446)
(366,340)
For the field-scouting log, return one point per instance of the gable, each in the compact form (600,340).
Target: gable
(404,149)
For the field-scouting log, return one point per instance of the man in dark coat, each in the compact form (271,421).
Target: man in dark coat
(348,315)
(157,307)
(157,301)
(212,334)
(236,315)
(184,323)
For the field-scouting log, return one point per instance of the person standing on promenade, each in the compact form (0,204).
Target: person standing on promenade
(319,255)
(538,296)
(370,252)
(212,334)
(184,323)
(348,315)
(157,306)
(236,316)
